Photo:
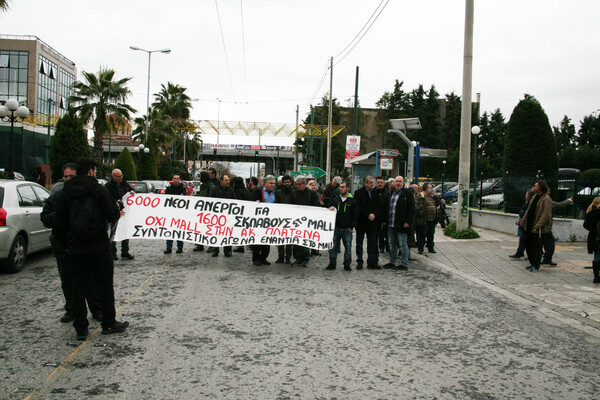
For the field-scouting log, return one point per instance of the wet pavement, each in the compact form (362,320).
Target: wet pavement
(204,327)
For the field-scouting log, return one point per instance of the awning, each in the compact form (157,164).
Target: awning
(364,157)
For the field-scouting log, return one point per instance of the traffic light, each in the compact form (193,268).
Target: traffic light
(215,152)
(256,154)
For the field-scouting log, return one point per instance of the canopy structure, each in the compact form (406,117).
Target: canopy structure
(241,128)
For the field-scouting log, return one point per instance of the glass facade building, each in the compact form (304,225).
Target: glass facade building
(13,75)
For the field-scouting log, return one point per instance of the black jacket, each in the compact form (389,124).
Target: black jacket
(306,197)
(405,210)
(118,190)
(346,211)
(284,196)
(47,216)
(220,192)
(178,190)
(105,208)
(366,206)
(590,223)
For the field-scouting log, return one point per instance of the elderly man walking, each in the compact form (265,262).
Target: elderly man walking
(399,216)
(117,188)
(260,252)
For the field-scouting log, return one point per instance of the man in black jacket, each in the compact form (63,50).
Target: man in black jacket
(285,195)
(176,188)
(382,231)
(63,262)
(88,244)
(223,191)
(369,221)
(303,197)
(117,188)
(399,216)
(346,218)
(260,252)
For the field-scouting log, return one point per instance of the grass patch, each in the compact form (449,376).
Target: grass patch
(468,233)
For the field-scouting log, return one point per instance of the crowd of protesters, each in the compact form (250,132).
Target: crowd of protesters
(392,215)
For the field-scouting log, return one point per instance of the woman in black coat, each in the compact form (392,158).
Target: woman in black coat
(592,218)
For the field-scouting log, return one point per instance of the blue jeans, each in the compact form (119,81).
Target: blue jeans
(170,244)
(521,249)
(372,251)
(344,235)
(302,254)
(394,238)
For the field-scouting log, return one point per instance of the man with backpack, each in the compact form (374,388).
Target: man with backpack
(81,219)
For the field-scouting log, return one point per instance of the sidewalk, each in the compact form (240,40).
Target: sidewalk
(566,288)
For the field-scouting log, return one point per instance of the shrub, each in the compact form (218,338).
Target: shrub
(125,163)
(468,233)
(69,143)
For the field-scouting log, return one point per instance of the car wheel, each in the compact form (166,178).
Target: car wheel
(16,256)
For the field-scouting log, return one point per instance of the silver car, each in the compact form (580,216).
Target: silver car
(21,230)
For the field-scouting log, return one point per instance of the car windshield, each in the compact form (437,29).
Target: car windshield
(139,187)
(159,184)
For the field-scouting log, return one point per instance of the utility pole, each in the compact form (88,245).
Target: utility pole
(355,119)
(329,123)
(464,165)
(311,156)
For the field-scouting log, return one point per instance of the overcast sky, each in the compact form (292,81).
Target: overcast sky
(548,48)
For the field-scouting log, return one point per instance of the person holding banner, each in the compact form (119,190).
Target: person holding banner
(175,188)
(206,188)
(260,252)
(285,195)
(223,191)
(346,218)
(117,188)
(303,197)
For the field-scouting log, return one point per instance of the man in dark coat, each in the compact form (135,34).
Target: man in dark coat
(399,214)
(285,195)
(63,262)
(223,191)
(117,188)
(369,222)
(303,197)
(89,251)
(383,195)
(212,174)
(346,218)
(176,188)
(260,252)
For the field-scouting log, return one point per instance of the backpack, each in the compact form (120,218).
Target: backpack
(84,222)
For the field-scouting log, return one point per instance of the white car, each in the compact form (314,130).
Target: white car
(21,230)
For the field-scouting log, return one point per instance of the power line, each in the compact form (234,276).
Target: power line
(244,51)
(365,32)
(224,48)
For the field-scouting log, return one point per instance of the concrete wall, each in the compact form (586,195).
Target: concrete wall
(562,228)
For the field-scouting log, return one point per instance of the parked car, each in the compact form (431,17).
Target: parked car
(447,186)
(142,186)
(21,230)
(493,201)
(189,186)
(159,186)
(197,185)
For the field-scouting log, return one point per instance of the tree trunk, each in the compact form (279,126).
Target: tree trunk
(98,146)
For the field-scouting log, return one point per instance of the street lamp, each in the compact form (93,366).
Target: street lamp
(443,176)
(12,106)
(475,131)
(166,51)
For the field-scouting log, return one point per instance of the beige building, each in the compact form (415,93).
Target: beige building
(36,75)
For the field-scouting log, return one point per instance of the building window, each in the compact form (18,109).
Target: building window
(47,87)
(65,85)
(13,75)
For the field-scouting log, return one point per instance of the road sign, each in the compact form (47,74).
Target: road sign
(294,174)
(388,153)
(315,172)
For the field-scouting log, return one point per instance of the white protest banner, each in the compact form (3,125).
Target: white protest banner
(223,222)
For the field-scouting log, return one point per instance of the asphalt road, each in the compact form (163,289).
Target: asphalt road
(204,327)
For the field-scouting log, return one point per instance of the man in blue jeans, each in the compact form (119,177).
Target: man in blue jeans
(346,218)
(399,212)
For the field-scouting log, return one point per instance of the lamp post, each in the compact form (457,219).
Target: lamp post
(166,51)
(475,131)
(443,176)
(50,101)
(139,149)
(12,107)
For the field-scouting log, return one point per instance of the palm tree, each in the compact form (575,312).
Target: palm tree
(4,5)
(160,130)
(99,98)
(172,101)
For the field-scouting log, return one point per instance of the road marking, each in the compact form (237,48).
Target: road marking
(38,391)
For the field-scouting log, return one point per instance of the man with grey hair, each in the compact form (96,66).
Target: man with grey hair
(399,216)
(332,189)
(266,194)
(303,197)
(117,188)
